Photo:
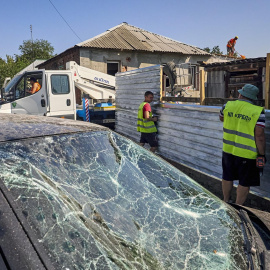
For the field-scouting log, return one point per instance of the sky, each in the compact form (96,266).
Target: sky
(202,23)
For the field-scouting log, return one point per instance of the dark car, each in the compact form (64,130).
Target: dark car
(75,195)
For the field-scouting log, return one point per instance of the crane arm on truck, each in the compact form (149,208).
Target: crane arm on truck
(96,84)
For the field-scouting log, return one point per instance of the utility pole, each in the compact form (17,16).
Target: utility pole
(267,82)
(31,30)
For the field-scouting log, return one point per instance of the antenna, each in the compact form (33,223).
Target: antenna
(31,30)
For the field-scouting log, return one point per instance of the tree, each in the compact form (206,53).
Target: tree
(215,50)
(38,49)
(11,66)
(207,49)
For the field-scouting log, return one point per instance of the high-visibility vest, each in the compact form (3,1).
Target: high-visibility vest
(240,118)
(231,42)
(143,125)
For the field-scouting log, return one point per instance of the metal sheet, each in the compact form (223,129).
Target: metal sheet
(189,134)
(128,37)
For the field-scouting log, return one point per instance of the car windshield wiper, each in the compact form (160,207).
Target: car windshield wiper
(255,257)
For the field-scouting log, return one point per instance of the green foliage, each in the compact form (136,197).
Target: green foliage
(215,50)
(9,67)
(39,49)
(207,49)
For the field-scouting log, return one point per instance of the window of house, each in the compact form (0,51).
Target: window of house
(60,84)
(112,67)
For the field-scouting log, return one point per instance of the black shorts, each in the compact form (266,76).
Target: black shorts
(229,49)
(242,169)
(150,138)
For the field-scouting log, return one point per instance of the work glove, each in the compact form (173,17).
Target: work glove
(260,163)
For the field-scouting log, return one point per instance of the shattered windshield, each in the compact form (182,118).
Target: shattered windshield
(98,201)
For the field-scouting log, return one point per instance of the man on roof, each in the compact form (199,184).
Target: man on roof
(230,46)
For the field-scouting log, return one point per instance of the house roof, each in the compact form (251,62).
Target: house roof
(128,37)
(236,62)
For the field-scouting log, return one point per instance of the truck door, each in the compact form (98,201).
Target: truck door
(61,95)
(24,102)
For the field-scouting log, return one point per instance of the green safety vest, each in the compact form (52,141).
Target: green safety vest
(240,118)
(143,125)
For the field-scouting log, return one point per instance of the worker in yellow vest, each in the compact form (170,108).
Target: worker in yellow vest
(243,143)
(145,123)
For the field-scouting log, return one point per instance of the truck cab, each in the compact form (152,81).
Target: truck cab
(55,98)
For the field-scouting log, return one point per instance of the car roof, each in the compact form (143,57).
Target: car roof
(16,127)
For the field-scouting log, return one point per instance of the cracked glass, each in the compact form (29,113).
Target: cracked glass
(96,200)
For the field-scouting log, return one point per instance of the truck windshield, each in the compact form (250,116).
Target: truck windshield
(13,82)
(96,200)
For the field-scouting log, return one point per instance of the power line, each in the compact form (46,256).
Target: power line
(65,21)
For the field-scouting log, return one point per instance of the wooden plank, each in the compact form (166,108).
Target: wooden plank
(191,107)
(138,80)
(202,88)
(153,86)
(182,99)
(161,84)
(191,121)
(210,150)
(185,159)
(267,82)
(195,133)
(194,114)
(221,101)
(136,71)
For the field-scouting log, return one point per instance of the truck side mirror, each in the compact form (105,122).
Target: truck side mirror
(9,96)
(1,95)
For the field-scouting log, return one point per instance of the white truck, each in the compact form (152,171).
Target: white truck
(57,94)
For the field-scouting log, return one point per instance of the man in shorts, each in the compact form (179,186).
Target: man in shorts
(243,143)
(230,46)
(145,123)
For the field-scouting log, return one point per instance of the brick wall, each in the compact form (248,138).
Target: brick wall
(59,62)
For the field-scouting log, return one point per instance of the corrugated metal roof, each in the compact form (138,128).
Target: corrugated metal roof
(128,37)
(236,62)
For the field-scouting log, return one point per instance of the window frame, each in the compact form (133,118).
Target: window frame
(113,62)
(54,75)
(24,86)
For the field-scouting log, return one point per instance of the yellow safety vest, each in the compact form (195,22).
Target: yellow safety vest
(143,125)
(240,118)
